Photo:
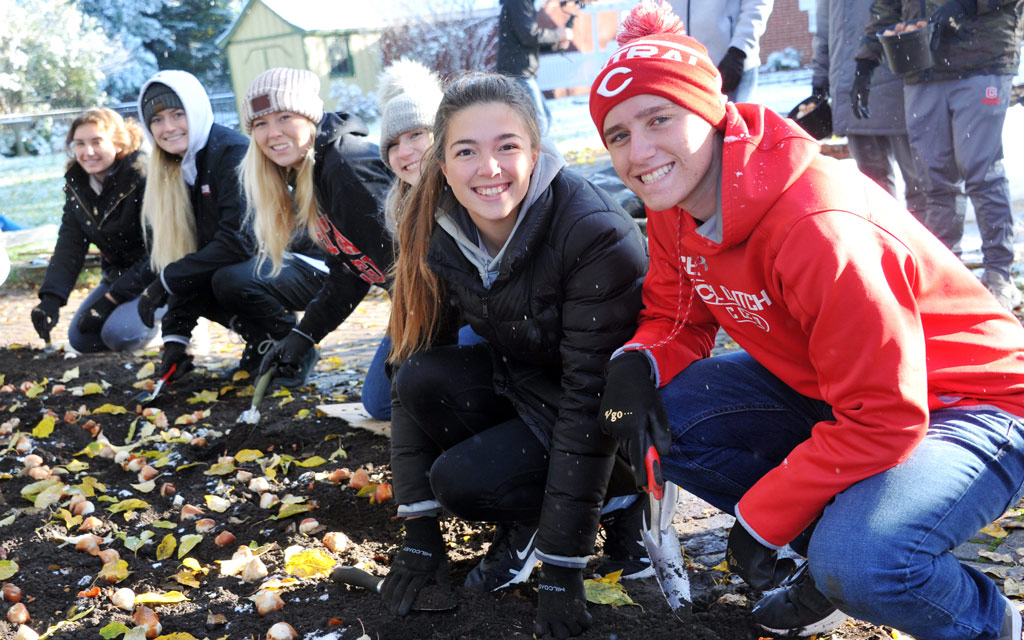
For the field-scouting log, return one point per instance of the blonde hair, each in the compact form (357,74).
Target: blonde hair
(418,295)
(125,134)
(271,209)
(167,210)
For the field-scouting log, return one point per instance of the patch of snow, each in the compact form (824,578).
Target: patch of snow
(84,581)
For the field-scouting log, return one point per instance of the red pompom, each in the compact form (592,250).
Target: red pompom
(648,18)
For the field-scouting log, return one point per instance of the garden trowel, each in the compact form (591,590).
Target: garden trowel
(661,540)
(146,397)
(432,597)
(252,414)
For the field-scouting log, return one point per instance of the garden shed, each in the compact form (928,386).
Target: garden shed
(336,40)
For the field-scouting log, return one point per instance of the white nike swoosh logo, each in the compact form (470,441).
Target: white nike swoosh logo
(522,554)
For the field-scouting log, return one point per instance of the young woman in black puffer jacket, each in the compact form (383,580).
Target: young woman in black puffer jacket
(547,269)
(103,186)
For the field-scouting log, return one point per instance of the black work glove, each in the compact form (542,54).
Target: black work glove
(861,88)
(421,558)
(152,298)
(819,92)
(731,68)
(45,315)
(948,18)
(758,565)
(287,355)
(561,603)
(632,411)
(94,317)
(175,353)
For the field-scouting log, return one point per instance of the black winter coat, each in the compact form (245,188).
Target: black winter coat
(109,220)
(351,184)
(566,296)
(520,40)
(218,205)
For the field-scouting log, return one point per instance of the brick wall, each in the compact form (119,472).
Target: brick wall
(788,26)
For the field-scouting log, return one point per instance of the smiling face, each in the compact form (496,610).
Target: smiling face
(94,150)
(169,129)
(488,160)
(660,150)
(405,152)
(284,137)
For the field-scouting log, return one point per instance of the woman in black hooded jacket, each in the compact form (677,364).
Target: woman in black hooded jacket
(103,186)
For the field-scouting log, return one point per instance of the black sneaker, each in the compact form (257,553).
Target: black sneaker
(623,545)
(252,356)
(509,560)
(797,609)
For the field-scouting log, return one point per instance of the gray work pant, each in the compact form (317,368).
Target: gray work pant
(956,128)
(875,155)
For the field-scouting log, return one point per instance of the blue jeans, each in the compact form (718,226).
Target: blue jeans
(882,550)
(122,331)
(377,385)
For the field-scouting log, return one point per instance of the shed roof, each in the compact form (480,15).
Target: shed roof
(353,15)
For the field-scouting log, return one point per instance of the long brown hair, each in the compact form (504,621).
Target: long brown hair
(125,134)
(418,295)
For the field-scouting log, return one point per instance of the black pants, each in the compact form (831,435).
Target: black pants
(455,440)
(263,303)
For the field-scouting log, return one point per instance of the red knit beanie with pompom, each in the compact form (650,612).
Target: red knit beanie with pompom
(656,57)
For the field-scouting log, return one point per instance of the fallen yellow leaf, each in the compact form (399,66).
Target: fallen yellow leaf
(309,563)
(146,371)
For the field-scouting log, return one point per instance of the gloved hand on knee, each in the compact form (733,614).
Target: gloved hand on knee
(96,315)
(758,565)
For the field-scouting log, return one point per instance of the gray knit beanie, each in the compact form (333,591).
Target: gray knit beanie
(158,97)
(407,94)
(283,89)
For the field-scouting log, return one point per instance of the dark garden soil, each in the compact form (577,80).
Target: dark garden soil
(60,583)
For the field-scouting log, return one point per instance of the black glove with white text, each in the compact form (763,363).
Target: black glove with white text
(561,603)
(421,558)
(632,411)
(758,565)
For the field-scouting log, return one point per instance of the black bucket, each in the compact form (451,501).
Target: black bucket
(817,121)
(910,51)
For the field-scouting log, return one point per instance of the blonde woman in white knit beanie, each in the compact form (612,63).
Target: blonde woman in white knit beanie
(315,189)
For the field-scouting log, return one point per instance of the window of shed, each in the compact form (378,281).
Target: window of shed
(338,56)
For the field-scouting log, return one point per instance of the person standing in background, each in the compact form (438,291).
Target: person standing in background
(731,30)
(955,115)
(880,138)
(520,41)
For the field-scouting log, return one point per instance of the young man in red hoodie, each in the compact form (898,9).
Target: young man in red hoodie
(873,420)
